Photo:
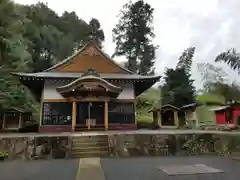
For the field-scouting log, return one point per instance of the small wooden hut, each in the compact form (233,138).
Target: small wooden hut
(166,116)
(14,119)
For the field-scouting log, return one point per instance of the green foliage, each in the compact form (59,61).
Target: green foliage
(228,91)
(185,60)
(211,74)
(52,37)
(96,31)
(32,38)
(145,102)
(231,58)
(215,82)
(3,154)
(178,88)
(133,36)
(14,56)
(210,98)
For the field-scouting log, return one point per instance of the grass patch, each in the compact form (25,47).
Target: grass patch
(210,98)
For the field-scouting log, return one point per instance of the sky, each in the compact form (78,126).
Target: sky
(212,26)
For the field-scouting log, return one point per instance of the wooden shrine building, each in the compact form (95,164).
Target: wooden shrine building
(87,91)
(167,116)
(14,119)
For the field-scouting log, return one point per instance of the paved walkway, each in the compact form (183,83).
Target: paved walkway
(121,169)
(90,169)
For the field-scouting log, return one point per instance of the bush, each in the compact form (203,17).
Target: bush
(3,154)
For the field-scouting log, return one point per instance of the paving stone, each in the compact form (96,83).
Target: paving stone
(188,169)
(90,169)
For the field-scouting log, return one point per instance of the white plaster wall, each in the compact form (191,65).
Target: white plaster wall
(127,92)
(50,91)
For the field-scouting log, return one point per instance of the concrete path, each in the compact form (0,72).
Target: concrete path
(89,169)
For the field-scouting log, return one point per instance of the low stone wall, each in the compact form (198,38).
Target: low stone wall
(125,145)
(28,148)
(174,145)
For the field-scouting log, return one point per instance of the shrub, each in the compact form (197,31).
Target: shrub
(3,154)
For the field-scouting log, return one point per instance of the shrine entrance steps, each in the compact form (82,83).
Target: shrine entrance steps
(90,146)
(98,127)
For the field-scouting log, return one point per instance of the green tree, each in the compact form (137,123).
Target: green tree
(13,56)
(231,58)
(96,32)
(211,74)
(185,60)
(52,37)
(133,36)
(44,38)
(178,86)
(76,32)
(215,82)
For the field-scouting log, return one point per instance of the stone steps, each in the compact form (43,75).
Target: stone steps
(90,146)
(98,127)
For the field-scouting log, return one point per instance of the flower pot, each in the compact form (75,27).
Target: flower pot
(2,158)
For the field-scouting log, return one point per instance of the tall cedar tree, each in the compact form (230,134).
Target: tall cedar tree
(96,32)
(178,88)
(185,60)
(133,36)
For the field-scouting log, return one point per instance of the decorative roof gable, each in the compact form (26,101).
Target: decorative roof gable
(90,56)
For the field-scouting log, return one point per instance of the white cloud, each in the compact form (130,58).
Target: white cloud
(211,26)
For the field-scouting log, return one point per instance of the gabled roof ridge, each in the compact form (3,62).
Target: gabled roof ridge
(79,51)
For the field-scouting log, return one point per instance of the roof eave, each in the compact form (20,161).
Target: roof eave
(26,75)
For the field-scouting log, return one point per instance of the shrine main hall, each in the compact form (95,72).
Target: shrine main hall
(87,91)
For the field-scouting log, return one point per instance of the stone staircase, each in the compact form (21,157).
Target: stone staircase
(90,146)
(97,127)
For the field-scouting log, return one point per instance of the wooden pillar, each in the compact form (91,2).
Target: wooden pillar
(41,108)
(176,120)
(4,121)
(74,114)
(106,115)
(20,121)
(41,114)
(135,111)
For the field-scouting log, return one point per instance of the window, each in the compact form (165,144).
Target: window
(121,112)
(57,113)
